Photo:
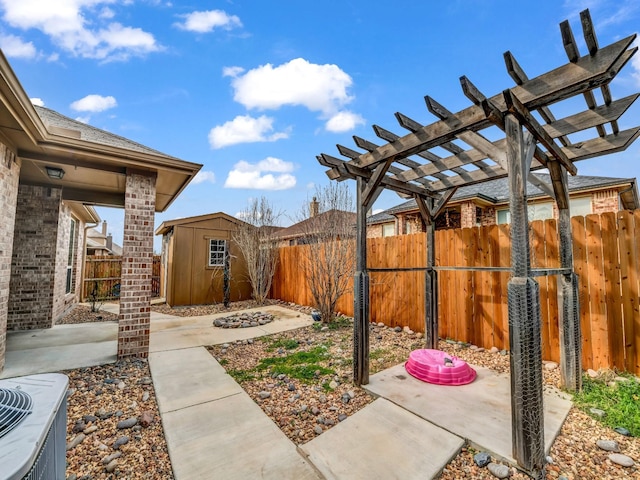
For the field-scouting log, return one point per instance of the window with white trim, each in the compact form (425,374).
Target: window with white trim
(535,211)
(70,257)
(388,229)
(217,250)
(580,206)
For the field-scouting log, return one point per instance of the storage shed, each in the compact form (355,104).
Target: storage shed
(194,251)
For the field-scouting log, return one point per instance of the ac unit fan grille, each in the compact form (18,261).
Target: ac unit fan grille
(14,406)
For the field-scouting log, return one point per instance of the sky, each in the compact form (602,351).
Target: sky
(254,90)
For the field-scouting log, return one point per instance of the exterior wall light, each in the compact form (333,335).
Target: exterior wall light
(55,173)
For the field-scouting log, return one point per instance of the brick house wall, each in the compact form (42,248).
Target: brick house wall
(63,301)
(605,201)
(137,266)
(33,262)
(9,177)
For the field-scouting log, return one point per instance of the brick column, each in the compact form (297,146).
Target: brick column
(9,174)
(467,215)
(137,265)
(33,260)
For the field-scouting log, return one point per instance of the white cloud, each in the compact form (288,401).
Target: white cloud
(37,101)
(80,27)
(15,47)
(232,71)
(320,88)
(344,121)
(255,176)
(244,129)
(376,211)
(207,21)
(204,177)
(85,119)
(94,103)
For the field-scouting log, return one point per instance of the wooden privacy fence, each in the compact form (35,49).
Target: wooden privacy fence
(102,275)
(473,305)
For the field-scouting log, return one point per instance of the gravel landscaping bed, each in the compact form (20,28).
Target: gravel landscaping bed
(306,407)
(199,310)
(113,425)
(83,314)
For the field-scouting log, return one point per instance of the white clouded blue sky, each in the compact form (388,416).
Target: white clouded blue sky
(255,90)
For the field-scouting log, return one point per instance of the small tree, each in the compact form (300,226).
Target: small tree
(329,258)
(258,249)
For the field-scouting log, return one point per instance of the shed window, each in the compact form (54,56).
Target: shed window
(535,211)
(580,206)
(217,249)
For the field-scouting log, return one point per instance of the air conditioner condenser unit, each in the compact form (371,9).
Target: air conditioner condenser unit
(33,424)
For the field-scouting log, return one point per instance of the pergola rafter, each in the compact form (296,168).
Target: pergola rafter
(407,165)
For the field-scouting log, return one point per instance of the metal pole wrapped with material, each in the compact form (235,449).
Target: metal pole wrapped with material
(527,414)
(361,293)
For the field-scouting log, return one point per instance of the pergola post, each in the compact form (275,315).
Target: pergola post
(431,286)
(361,292)
(527,414)
(568,299)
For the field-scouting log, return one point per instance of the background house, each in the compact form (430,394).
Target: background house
(193,253)
(100,242)
(488,204)
(310,229)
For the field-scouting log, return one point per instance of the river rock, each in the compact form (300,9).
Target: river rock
(608,445)
(498,470)
(622,431)
(622,460)
(146,418)
(482,459)
(120,441)
(77,440)
(128,423)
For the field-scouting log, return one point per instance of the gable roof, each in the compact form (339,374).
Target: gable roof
(168,225)
(497,191)
(312,224)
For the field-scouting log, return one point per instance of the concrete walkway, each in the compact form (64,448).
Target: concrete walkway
(214,430)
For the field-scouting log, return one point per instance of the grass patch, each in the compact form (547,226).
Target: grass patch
(378,353)
(337,324)
(286,343)
(621,403)
(300,365)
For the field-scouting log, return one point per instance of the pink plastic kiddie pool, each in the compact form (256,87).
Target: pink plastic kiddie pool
(438,367)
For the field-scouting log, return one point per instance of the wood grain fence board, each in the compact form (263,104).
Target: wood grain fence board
(582,270)
(486,306)
(635,295)
(552,252)
(467,278)
(599,326)
(613,299)
(495,286)
(505,259)
(537,246)
(444,306)
(629,256)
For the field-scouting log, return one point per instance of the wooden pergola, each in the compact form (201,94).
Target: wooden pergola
(533,139)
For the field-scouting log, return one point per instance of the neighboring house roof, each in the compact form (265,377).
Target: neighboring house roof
(95,162)
(96,240)
(497,191)
(381,217)
(168,225)
(313,224)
